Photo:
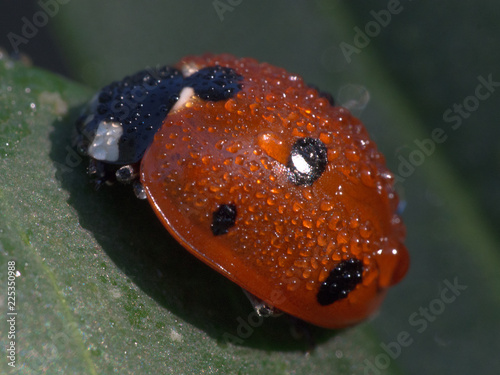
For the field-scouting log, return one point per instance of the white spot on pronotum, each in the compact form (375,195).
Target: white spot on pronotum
(186,94)
(300,164)
(105,143)
(139,190)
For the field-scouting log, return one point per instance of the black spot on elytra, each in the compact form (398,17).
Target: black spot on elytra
(214,83)
(341,281)
(223,219)
(307,161)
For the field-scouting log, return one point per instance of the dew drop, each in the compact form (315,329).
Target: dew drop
(326,206)
(273,147)
(230,105)
(368,178)
(307,194)
(239,160)
(307,223)
(254,166)
(306,273)
(332,154)
(322,241)
(352,155)
(366,230)
(220,144)
(354,223)
(355,245)
(296,207)
(326,138)
(234,147)
(342,237)
(310,285)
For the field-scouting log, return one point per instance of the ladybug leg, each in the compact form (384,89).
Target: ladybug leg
(127,174)
(107,174)
(101,173)
(130,174)
(139,190)
(262,308)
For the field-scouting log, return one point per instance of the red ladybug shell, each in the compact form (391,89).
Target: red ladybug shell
(286,237)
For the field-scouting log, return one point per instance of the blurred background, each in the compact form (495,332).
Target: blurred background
(432,73)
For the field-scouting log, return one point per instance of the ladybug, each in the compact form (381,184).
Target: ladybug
(260,176)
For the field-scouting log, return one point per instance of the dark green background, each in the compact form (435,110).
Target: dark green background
(427,58)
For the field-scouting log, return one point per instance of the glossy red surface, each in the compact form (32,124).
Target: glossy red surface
(286,238)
